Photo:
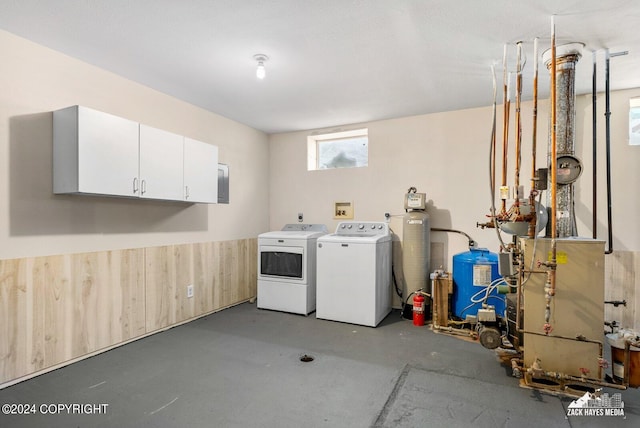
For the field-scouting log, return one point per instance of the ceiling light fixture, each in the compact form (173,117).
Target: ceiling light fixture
(260,71)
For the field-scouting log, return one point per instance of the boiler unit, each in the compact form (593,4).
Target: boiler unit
(572,342)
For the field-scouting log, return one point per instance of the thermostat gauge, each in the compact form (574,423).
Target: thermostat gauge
(569,169)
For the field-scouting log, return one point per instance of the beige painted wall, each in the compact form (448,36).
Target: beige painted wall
(122,264)
(34,81)
(446,155)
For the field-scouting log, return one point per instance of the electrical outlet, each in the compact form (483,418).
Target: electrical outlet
(190,291)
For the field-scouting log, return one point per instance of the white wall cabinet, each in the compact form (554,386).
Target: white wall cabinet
(160,164)
(200,172)
(97,153)
(94,153)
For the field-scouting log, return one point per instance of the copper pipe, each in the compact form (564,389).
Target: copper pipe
(505,127)
(461,332)
(515,368)
(493,147)
(534,271)
(554,168)
(575,339)
(531,231)
(534,131)
(518,127)
(565,377)
(554,150)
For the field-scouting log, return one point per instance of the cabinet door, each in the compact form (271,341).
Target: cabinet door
(160,164)
(107,152)
(200,171)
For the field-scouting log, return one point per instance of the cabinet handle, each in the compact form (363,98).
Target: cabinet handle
(135,185)
(143,186)
(186,189)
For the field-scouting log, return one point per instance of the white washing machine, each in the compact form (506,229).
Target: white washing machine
(287,268)
(353,280)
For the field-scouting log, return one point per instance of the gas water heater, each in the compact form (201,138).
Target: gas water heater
(416,243)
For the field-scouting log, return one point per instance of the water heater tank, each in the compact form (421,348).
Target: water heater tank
(416,251)
(473,271)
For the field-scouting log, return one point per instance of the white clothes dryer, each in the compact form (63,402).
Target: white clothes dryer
(287,268)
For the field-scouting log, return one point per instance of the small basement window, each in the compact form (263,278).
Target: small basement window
(634,122)
(347,149)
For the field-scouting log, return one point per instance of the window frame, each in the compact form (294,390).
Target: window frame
(634,107)
(314,141)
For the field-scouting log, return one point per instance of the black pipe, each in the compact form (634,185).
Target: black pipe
(607,115)
(594,118)
(472,242)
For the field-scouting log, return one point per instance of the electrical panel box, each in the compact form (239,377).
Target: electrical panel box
(505,264)
(415,201)
(223,183)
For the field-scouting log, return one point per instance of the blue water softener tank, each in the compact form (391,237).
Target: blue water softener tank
(473,271)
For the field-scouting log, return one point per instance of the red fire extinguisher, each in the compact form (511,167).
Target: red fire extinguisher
(418,309)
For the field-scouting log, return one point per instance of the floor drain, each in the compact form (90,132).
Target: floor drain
(306,358)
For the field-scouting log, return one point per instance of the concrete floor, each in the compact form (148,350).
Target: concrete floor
(241,368)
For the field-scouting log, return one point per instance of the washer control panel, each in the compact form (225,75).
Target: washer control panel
(362,228)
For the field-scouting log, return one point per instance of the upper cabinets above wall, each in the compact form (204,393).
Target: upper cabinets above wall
(96,153)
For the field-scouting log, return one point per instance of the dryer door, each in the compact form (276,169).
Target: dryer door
(281,262)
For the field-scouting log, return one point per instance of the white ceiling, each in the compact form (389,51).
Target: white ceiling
(332,62)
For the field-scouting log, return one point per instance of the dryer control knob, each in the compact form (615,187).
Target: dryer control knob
(361,226)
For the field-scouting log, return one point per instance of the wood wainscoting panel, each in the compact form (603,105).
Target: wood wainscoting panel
(222,273)
(92,301)
(169,270)
(249,289)
(235,277)
(53,275)
(21,320)
(129,317)
(57,309)
(204,277)
(159,287)
(228,270)
(112,282)
(185,307)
